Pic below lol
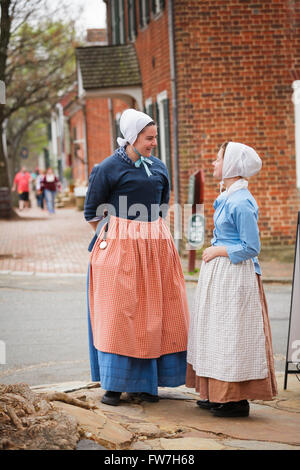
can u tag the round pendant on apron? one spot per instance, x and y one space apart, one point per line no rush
103 245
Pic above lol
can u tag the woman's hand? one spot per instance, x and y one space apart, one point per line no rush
212 252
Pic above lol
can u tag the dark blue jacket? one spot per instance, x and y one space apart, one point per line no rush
116 185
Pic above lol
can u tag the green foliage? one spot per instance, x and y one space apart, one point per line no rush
68 174
40 67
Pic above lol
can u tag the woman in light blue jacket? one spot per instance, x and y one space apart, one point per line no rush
230 358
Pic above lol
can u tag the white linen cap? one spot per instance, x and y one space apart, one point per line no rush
132 122
240 160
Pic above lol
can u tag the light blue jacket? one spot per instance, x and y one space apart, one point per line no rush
235 220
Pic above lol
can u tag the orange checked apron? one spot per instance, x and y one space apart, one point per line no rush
137 296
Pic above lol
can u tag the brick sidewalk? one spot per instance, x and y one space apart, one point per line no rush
38 242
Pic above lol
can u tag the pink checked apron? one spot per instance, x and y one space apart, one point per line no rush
137 296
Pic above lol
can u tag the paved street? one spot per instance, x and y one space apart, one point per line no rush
43 264
43 324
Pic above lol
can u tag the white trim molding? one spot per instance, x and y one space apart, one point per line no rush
123 93
160 98
296 101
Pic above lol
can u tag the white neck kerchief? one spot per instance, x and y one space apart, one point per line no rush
240 160
131 123
239 184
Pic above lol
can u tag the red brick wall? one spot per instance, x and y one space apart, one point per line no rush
98 130
76 121
234 75
152 48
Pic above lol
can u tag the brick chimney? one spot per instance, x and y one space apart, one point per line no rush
96 36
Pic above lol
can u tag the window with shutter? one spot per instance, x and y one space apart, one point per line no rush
163 120
117 128
157 6
150 111
117 22
167 142
158 130
122 22
132 28
144 13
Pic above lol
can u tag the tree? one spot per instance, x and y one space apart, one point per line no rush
37 62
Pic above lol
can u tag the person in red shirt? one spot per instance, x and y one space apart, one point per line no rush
21 183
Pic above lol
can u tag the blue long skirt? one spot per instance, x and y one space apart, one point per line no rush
128 374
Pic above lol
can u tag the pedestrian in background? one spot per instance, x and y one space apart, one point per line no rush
39 191
50 185
21 183
230 357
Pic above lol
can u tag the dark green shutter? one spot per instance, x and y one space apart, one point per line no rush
150 113
49 131
122 26
118 132
167 139
158 130
134 26
117 21
129 19
153 7
162 4
147 13
141 13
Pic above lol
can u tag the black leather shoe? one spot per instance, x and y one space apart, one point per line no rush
207 405
111 398
148 397
232 409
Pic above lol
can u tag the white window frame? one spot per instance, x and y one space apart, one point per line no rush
296 101
160 98
133 34
144 19
148 103
158 8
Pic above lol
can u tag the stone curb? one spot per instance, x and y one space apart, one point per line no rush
279 280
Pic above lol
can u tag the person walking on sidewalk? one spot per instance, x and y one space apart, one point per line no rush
137 305
230 358
21 183
50 184
39 192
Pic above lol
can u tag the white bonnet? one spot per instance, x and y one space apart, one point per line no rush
132 122
240 160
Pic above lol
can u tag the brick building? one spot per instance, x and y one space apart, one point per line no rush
207 72
82 137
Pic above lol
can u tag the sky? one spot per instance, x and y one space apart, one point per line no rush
94 13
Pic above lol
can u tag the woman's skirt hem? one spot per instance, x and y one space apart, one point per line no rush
219 391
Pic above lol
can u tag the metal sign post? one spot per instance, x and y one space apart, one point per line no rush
293 344
196 225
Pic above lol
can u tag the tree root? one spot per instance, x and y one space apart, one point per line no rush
65 398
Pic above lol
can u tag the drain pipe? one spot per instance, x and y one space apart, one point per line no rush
177 221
